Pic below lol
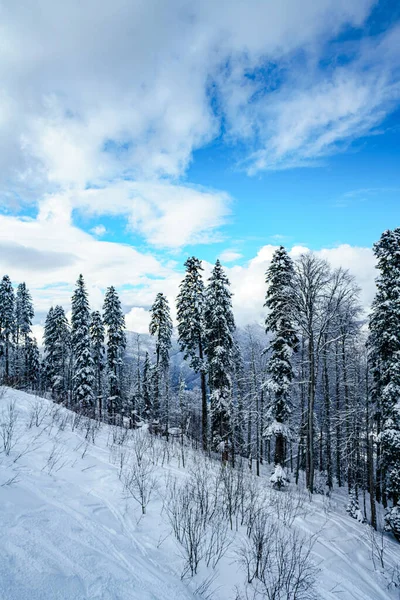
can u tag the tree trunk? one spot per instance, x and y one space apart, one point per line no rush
310 417
347 409
204 407
338 427
328 450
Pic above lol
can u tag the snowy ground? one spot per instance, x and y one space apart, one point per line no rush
70 531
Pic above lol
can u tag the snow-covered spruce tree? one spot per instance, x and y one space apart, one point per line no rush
239 394
114 320
146 389
24 314
385 355
353 507
33 370
57 346
190 313
97 334
7 322
279 323
82 365
161 328
220 326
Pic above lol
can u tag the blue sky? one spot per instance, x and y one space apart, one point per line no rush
134 134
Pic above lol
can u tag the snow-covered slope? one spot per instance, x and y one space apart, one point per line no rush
69 530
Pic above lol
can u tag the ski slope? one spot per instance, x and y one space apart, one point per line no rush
69 531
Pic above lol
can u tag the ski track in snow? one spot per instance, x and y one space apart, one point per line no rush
71 535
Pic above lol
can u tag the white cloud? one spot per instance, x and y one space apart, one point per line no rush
167 215
99 230
360 262
106 89
51 253
229 255
138 319
248 281
315 112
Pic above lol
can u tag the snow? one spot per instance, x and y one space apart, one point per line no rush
70 532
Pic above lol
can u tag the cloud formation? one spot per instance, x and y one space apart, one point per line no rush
107 89
44 261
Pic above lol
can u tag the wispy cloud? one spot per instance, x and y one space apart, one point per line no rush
101 90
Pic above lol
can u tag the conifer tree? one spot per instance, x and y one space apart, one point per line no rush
220 326
161 328
284 341
97 334
114 321
7 321
385 356
83 365
190 313
146 389
57 345
33 370
24 314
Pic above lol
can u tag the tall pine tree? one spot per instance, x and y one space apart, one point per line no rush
114 320
7 322
190 313
147 389
24 314
385 357
161 328
220 327
97 334
83 365
279 278
57 347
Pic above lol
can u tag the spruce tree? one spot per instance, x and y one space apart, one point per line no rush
24 314
97 334
82 365
161 328
57 346
7 321
33 370
114 321
190 313
220 327
279 278
385 357
147 389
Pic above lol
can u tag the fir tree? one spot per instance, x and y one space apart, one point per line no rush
57 344
83 365
284 341
161 328
114 320
146 389
24 314
385 356
220 326
7 320
97 334
190 313
33 368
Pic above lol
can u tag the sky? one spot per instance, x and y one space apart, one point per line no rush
135 133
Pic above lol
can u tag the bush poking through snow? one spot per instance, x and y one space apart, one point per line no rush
197 519
138 476
8 420
278 562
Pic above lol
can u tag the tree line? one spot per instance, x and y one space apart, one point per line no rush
317 397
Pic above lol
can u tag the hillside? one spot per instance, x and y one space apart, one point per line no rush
72 528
